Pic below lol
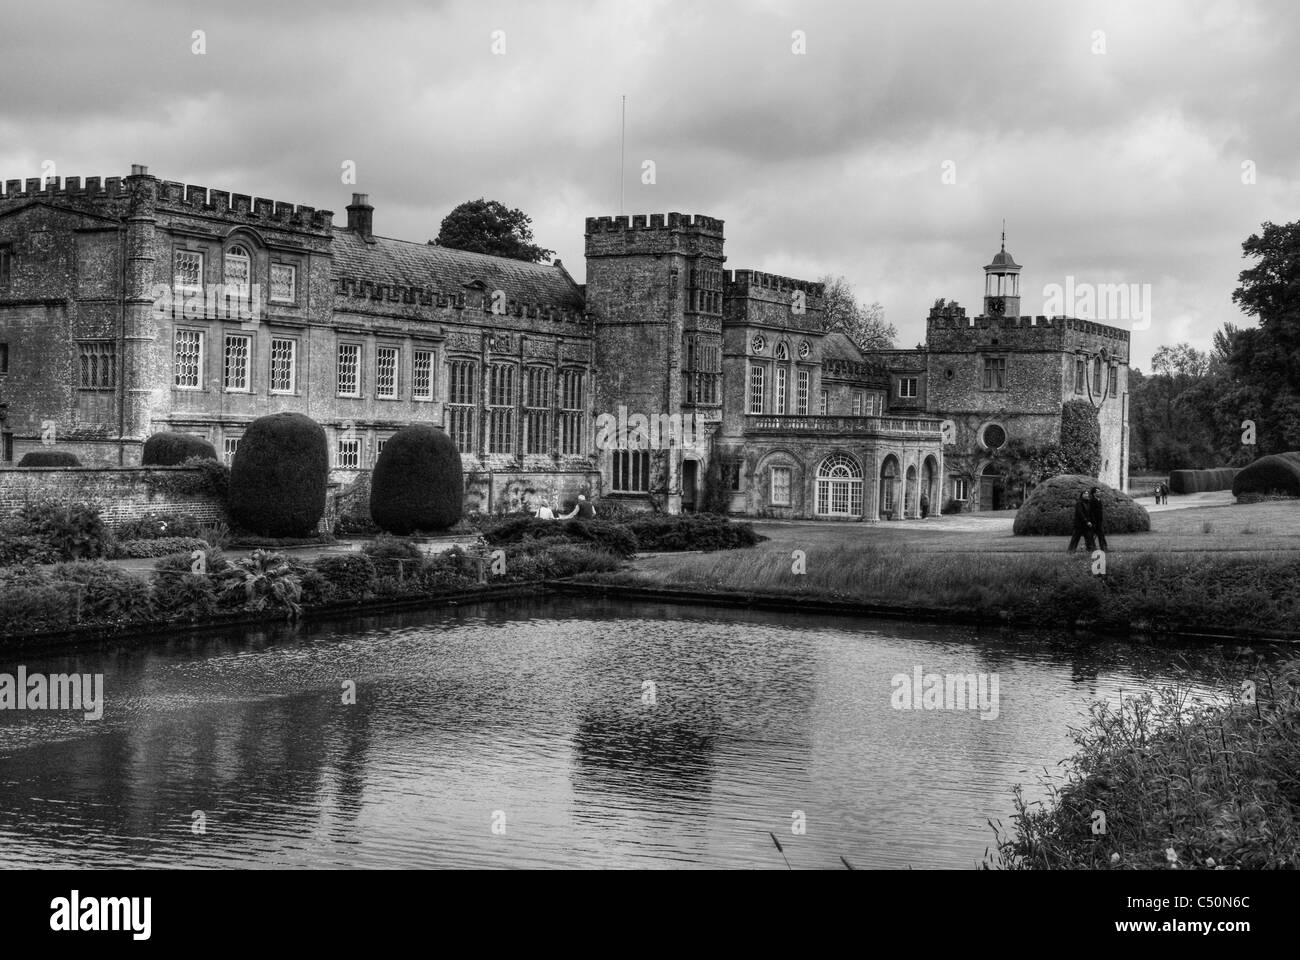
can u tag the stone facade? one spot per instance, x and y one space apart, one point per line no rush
134 305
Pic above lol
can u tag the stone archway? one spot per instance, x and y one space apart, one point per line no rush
839 487
929 490
889 471
992 489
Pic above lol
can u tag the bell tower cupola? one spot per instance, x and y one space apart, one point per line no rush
1002 283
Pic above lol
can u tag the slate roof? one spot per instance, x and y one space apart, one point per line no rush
838 346
448 271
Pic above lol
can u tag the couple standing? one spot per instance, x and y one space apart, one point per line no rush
1088 521
582 510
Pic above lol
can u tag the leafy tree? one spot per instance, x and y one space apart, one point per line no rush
1267 358
488 226
862 323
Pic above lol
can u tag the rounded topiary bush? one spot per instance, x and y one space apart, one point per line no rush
277 482
49 458
169 449
1049 509
1276 474
417 482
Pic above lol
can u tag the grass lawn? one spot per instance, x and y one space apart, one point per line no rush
1222 567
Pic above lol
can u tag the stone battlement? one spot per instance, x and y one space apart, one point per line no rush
171 194
956 319
243 206
697 223
738 282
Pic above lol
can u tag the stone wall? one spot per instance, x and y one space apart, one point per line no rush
122 493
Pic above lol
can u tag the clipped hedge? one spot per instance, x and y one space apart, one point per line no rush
698 532
277 482
1200 481
49 458
351 575
170 449
612 537
1048 511
417 482
157 547
1277 474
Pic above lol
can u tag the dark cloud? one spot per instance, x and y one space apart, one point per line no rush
1117 167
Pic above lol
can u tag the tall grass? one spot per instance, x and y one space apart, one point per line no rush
1180 786
1148 591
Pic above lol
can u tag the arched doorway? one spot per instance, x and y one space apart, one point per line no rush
929 476
992 489
889 487
909 493
839 487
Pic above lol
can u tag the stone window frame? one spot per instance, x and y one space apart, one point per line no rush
960 489
629 471
248 362
201 341
182 250
100 373
1080 374
537 398
460 415
859 402
229 445
788 470
354 452
244 288
292 298
355 393
824 403
427 395
1006 435
757 389
6 264
572 385
502 402
1113 380
4 357
916 388
995 387
383 372
293 367
803 387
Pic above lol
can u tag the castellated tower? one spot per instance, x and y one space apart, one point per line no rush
654 292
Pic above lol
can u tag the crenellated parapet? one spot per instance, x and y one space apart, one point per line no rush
654 234
742 283
242 207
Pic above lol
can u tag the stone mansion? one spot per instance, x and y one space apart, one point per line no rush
133 305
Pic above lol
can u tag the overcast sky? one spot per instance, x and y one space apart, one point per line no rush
1122 166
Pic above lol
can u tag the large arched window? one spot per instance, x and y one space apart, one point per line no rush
839 487
237 273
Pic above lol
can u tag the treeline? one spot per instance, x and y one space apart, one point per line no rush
1195 409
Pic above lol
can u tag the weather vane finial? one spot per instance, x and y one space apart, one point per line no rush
1004 234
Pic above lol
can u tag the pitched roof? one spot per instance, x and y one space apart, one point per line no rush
838 346
447 270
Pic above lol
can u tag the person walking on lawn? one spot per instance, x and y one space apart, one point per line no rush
1095 514
1082 523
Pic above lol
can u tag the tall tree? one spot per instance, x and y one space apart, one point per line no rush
862 323
488 226
1267 358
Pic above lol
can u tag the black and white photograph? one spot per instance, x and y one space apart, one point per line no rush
645 436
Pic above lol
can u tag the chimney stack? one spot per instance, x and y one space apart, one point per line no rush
361 216
139 170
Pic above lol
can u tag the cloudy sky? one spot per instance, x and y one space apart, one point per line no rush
1114 138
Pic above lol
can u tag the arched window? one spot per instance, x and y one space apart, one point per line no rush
238 271
839 487
888 485
782 351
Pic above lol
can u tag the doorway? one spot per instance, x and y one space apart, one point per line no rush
690 477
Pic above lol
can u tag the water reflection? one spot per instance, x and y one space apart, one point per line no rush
536 716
